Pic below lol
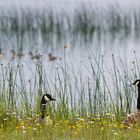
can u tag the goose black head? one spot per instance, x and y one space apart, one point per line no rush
137 82
46 98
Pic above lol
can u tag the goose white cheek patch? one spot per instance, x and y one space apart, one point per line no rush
46 98
137 83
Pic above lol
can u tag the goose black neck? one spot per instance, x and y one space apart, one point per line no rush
138 100
42 116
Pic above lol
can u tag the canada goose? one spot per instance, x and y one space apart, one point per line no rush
45 99
1 54
35 56
18 54
51 57
135 117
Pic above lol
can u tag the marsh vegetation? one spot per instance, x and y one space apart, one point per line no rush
93 92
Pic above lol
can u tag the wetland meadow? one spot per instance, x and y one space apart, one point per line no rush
83 53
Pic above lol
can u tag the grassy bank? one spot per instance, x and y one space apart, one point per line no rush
97 128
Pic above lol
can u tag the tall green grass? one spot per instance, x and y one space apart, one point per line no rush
86 92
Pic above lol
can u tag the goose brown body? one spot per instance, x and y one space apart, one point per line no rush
1 54
51 57
35 56
19 54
